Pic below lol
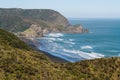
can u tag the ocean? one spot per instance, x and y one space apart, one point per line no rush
103 40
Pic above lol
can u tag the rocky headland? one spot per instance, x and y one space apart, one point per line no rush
29 24
36 22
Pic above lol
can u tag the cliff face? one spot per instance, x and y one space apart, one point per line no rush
33 31
76 29
38 31
35 22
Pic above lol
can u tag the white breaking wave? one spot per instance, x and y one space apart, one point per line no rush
70 39
50 44
86 47
59 39
69 42
119 55
70 55
85 55
54 35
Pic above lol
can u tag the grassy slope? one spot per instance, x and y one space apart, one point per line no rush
19 62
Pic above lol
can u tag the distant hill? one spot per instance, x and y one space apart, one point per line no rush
41 20
15 19
19 62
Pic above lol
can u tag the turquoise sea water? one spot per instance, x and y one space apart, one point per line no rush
103 40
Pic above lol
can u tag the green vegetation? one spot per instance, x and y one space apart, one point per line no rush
12 22
12 40
61 28
18 20
19 62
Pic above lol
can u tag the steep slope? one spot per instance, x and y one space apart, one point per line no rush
41 21
12 40
22 63
20 19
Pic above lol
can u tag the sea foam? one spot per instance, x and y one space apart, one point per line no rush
86 47
85 55
70 55
69 42
54 35
50 43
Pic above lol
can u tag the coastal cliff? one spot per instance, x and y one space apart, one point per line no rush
36 22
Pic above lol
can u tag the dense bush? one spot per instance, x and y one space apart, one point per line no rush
19 62
12 40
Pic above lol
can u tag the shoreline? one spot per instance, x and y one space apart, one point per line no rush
34 45
54 58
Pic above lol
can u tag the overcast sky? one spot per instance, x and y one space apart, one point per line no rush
70 8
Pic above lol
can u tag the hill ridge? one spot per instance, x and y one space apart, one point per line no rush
22 63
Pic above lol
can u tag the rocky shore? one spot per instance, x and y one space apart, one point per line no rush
37 31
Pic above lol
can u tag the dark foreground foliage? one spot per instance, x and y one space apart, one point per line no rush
19 62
